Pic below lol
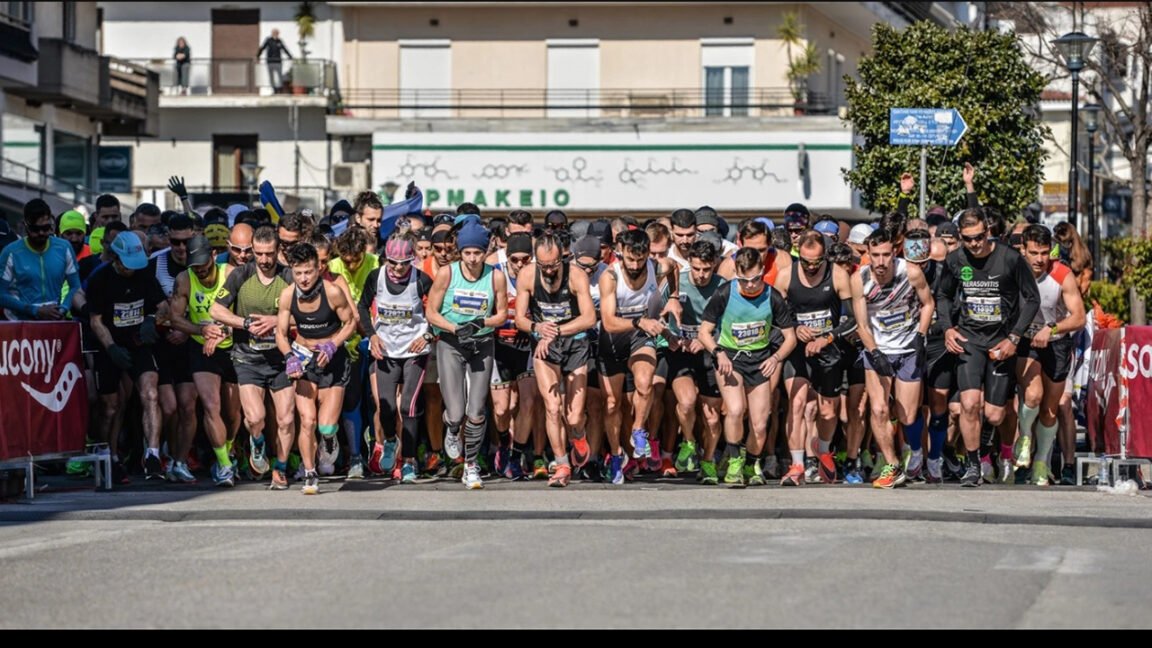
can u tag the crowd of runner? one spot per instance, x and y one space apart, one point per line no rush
794 350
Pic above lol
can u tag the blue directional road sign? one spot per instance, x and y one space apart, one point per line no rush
925 126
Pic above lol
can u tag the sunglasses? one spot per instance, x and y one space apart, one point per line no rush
440 248
812 263
586 266
40 228
520 259
175 242
749 280
240 250
795 230
287 244
550 266
974 239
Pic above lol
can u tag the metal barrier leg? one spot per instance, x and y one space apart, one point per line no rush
30 479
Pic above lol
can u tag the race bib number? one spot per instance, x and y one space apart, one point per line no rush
262 343
470 303
985 310
125 314
893 320
303 353
392 314
748 333
689 332
556 312
631 312
819 321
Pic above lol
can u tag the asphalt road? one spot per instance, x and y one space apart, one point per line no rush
652 554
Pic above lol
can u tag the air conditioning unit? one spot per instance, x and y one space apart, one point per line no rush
350 177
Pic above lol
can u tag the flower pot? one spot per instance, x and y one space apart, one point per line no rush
299 90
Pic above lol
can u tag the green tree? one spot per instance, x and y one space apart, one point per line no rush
983 75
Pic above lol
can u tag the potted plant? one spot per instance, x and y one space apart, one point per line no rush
803 59
305 77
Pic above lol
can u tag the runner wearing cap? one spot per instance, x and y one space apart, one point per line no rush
401 342
195 291
796 218
707 220
72 228
586 257
468 298
316 360
556 220
124 301
555 307
512 367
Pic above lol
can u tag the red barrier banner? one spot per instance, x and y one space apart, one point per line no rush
1136 369
1104 394
43 397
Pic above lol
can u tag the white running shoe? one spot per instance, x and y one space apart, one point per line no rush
451 444
471 477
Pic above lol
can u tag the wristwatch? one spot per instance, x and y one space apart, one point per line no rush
636 323
428 337
1014 339
1055 328
247 322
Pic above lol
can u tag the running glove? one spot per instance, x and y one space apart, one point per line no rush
120 356
148 332
919 345
880 363
292 365
327 348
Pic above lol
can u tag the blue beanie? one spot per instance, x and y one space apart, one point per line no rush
472 235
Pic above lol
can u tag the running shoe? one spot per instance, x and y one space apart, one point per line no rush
616 469
772 467
827 468
457 469
1068 476
514 470
987 470
1023 476
223 477
356 470
178 473
935 472
193 462
1007 467
552 467
580 453
1041 474
852 476
327 454
640 448
914 469
451 444
889 477
654 463
667 468
501 458
1023 451
794 476
408 473
812 470
686 458
753 474
311 483
561 477
878 464
953 469
374 459
388 457
397 473
153 469
971 478
734 473
78 469
539 469
471 477
434 464
708 475
279 480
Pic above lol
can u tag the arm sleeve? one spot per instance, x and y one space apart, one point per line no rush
424 285
232 284
903 204
971 199
782 315
9 300
367 296
945 292
72 276
714 311
1029 297
847 319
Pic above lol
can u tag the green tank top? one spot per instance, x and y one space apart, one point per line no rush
747 323
693 301
467 300
200 300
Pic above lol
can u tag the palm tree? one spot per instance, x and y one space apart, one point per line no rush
806 60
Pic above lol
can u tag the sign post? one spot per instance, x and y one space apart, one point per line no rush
925 127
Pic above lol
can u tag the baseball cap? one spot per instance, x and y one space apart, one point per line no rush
444 219
947 229
601 229
199 250
828 227
712 238
130 250
796 214
217 235
707 216
588 246
556 218
859 233
72 220
767 222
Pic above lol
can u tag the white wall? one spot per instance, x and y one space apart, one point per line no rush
149 30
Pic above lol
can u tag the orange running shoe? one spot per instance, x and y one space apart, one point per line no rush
580 453
890 477
666 467
827 469
561 477
794 476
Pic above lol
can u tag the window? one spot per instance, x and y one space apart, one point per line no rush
727 64
229 152
425 78
19 14
573 77
69 31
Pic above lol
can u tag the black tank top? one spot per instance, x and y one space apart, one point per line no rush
818 307
559 307
317 325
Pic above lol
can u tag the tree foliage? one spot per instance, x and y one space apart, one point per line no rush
982 74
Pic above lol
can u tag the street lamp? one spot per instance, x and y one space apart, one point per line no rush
251 173
1092 124
1074 48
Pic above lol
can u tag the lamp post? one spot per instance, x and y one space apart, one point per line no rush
1091 125
1074 48
251 173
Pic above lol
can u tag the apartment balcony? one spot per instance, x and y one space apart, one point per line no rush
129 99
206 83
598 103
69 75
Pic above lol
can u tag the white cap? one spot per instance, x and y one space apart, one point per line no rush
859 233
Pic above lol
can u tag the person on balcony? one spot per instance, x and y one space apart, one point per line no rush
182 54
275 49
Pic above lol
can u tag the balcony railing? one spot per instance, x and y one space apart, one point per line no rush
291 198
315 77
598 102
42 182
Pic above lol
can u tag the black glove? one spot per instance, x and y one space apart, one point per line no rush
469 328
880 363
176 186
919 345
120 356
148 332
410 190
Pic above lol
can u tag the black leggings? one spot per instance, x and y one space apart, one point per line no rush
389 373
